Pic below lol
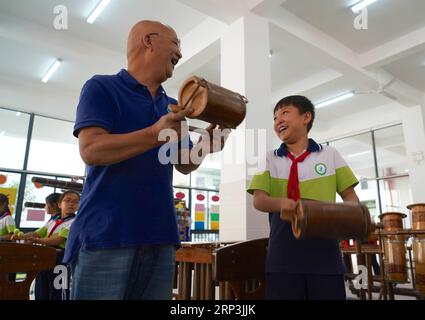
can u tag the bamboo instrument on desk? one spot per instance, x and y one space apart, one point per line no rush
418 224
394 247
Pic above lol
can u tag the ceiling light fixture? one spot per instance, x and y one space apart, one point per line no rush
51 70
97 11
334 100
361 5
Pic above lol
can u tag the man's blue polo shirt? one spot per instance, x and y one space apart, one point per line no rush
129 203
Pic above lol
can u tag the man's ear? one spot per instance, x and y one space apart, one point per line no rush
307 117
147 41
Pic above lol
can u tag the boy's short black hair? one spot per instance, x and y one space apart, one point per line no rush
303 104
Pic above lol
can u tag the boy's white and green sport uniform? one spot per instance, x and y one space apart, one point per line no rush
62 230
322 175
7 225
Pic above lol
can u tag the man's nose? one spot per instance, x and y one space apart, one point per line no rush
179 54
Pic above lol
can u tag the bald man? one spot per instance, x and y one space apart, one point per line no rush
123 241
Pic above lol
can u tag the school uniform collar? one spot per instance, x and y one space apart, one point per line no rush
313 146
72 216
55 217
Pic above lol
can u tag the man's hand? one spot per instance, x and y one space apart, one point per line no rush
213 140
172 122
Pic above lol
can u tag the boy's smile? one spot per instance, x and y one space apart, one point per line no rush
289 124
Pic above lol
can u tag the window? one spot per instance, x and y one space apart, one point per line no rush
391 152
13 138
394 192
54 149
31 217
180 180
357 151
206 177
396 196
199 210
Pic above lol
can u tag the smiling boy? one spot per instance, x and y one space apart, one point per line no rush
301 169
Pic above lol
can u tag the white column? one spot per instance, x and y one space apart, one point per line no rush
414 135
245 68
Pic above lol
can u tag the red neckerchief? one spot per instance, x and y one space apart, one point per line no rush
58 222
293 182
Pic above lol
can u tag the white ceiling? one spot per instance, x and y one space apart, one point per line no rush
410 69
316 50
387 19
111 28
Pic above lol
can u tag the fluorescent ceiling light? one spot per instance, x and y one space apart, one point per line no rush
361 5
334 100
18 114
97 11
358 154
51 70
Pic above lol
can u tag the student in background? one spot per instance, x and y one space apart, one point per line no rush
44 281
7 223
52 208
55 234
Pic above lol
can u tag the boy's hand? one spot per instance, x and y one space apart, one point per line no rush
288 208
15 237
31 240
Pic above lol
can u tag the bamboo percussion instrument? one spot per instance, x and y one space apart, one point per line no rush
418 224
34 205
419 258
58 184
211 103
394 247
395 258
325 220
418 216
392 221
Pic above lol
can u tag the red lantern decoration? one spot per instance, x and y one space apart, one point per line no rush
200 197
215 198
180 195
3 179
38 185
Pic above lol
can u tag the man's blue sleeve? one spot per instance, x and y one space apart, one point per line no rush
95 108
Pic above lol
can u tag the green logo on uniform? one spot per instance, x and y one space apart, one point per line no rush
321 169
